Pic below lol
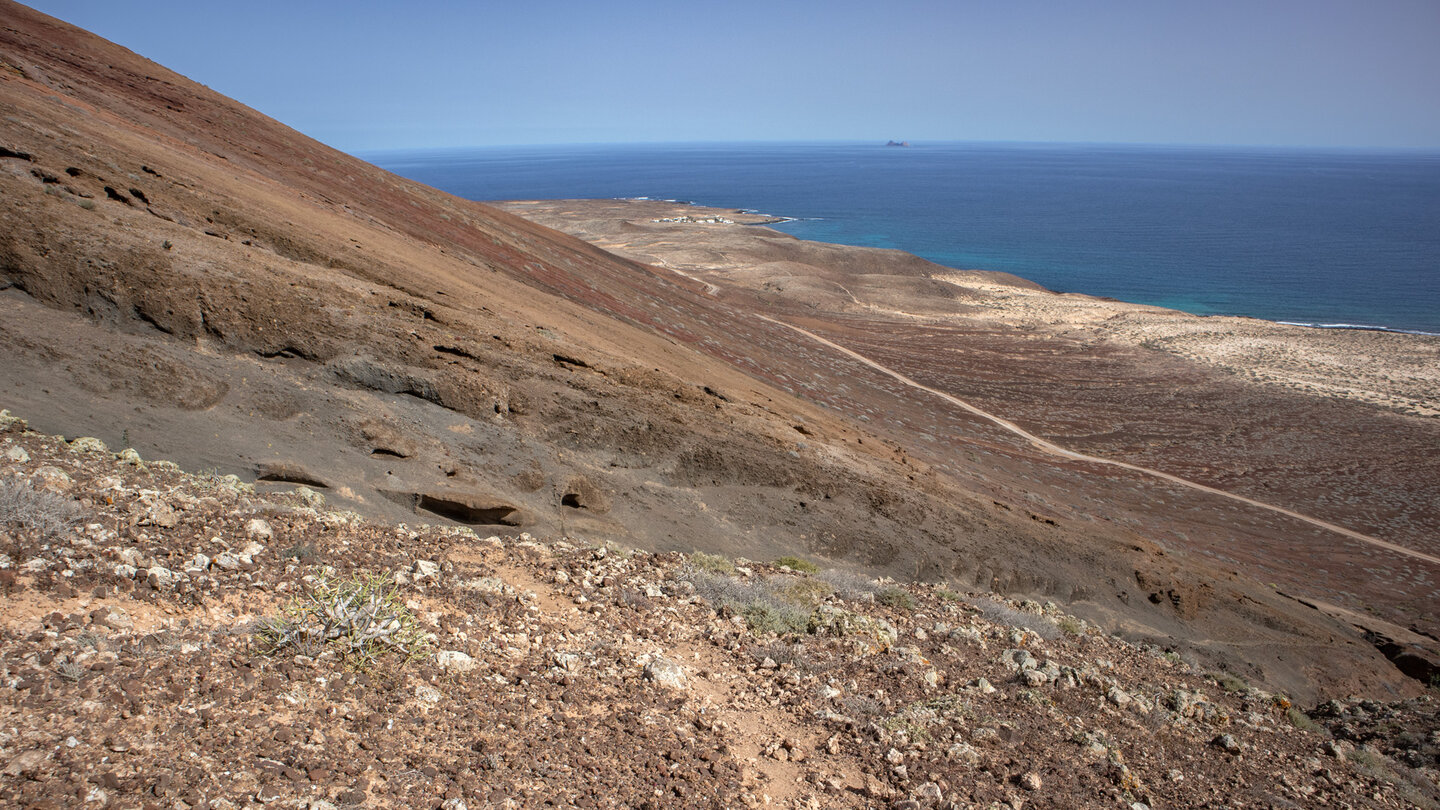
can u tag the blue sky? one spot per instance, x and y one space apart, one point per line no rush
363 75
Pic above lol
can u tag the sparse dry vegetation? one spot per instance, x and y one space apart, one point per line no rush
361 617
896 597
1001 613
827 676
798 564
24 506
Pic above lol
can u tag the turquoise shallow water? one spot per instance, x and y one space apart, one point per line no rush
1326 238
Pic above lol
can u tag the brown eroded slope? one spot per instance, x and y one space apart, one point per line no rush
186 276
565 673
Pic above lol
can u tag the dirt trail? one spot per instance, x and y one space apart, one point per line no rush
1056 450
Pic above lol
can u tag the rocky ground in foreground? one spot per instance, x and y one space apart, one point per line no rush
157 652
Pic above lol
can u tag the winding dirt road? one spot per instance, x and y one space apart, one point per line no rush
1051 448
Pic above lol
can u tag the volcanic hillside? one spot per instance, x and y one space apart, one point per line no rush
187 277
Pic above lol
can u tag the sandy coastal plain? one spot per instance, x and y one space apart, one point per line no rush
1400 372
1337 426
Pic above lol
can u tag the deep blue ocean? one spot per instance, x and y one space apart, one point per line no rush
1328 238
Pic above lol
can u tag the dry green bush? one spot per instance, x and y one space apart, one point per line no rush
765 603
361 618
798 564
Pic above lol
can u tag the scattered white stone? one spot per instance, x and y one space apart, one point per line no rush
426 569
455 661
454 804
1019 660
427 693
162 578
665 672
259 529
126 571
119 618
88 444
310 497
53 478
1030 780
1227 743
17 455
228 562
484 585
570 662
1118 696
161 514
129 456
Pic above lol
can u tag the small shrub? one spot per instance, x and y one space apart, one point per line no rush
1070 626
784 654
896 597
361 617
861 707
765 604
1301 720
88 205
1036 698
798 564
298 551
766 617
999 613
805 591
713 563
849 585
946 595
22 506
1231 683
1364 758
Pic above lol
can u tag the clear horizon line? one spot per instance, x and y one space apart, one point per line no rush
917 143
